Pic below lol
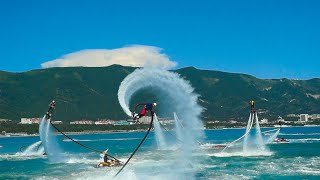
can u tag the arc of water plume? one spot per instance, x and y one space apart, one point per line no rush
245 141
174 90
32 149
258 134
271 139
178 120
161 142
178 126
251 118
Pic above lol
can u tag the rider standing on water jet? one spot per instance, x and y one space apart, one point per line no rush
146 107
251 103
52 105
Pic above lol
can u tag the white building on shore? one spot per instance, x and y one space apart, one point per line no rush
30 120
264 121
57 122
303 118
104 122
145 120
82 122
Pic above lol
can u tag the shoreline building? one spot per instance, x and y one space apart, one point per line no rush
145 120
303 118
82 122
30 120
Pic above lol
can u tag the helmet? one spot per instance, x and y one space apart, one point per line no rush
154 104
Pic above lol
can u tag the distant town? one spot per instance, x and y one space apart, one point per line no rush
298 119
89 125
143 120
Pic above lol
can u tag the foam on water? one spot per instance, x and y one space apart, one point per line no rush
242 154
20 157
299 134
34 149
107 139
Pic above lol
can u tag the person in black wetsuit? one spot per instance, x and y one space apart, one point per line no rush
108 161
52 106
251 103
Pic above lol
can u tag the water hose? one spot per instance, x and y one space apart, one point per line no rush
141 142
90 148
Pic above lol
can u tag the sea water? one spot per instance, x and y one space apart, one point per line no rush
297 159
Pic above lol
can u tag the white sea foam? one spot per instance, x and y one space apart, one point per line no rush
20 156
242 154
106 139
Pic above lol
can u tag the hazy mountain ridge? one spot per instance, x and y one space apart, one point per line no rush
91 93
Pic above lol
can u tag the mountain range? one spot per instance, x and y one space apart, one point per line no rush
91 93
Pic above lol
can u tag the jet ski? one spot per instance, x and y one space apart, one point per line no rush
280 140
110 163
219 146
107 162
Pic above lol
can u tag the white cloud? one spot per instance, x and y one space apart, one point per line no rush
135 56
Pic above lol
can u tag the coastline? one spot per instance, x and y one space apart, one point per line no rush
127 131
72 133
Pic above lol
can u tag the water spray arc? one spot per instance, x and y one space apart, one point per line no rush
178 126
158 132
246 137
273 137
259 144
34 149
249 126
50 142
46 136
184 103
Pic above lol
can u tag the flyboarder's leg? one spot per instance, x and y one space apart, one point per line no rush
138 116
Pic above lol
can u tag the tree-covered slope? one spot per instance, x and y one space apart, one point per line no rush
91 93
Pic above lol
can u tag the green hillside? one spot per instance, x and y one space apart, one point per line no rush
91 93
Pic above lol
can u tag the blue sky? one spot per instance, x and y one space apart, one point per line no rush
267 39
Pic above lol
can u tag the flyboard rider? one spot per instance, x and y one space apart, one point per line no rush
146 107
251 103
52 106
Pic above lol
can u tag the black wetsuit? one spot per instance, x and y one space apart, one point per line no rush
105 158
251 105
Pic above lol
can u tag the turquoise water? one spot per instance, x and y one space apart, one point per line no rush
297 159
